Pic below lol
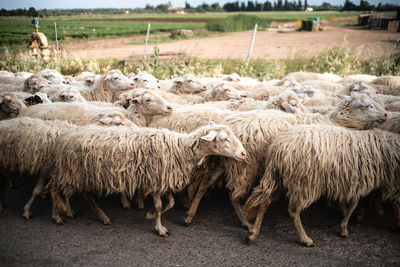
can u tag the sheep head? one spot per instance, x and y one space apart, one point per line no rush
114 119
114 80
220 140
188 84
145 80
35 83
11 104
222 92
71 95
149 103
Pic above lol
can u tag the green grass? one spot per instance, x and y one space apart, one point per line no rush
16 31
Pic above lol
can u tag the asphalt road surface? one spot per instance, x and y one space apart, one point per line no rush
215 237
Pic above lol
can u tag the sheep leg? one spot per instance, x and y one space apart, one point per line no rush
56 199
67 196
239 211
162 231
140 201
126 204
349 211
199 195
36 191
93 205
170 205
294 212
255 230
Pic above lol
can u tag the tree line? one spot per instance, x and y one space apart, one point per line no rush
236 6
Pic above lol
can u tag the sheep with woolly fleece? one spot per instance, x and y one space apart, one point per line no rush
358 77
344 165
32 84
220 92
23 74
304 76
69 94
29 149
27 144
108 87
27 98
391 81
188 84
286 101
255 130
52 75
144 80
89 163
323 85
10 105
147 103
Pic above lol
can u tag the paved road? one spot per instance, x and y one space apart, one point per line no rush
214 239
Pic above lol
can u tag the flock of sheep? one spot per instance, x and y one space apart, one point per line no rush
305 137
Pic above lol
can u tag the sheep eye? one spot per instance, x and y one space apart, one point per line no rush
148 100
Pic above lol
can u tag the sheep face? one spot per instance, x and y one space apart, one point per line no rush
188 84
37 98
290 103
115 119
223 92
288 82
360 86
54 77
145 80
36 83
233 77
364 108
150 103
71 95
11 105
116 81
222 141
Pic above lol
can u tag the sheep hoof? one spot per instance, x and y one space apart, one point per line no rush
127 207
71 216
187 222
26 216
249 240
60 222
164 234
107 222
310 244
345 235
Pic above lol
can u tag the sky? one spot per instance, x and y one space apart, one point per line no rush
51 4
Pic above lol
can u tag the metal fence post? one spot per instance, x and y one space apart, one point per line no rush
145 45
251 46
55 32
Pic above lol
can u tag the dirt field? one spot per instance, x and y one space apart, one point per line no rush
268 45
215 237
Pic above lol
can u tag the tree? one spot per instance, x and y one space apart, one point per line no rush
364 5
348 5
32 12
299 5
279 5
267 6
187 5
305 4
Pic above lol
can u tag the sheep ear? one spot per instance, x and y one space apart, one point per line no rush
210 136
179 81
136 100
37 99
29 99
345 97
107 77
212 125
103 118
136 79
355 93
356 105
7 98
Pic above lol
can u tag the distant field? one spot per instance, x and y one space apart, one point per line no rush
15 31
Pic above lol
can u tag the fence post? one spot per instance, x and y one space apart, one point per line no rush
55 32
145 45
251 46
396 44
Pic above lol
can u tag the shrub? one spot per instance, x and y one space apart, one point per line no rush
237 23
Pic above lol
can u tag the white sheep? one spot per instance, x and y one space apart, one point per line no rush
187 84
144 80
167 170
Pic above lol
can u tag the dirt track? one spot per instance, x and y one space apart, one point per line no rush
214 238
269 45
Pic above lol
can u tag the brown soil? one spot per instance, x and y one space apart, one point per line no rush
370 44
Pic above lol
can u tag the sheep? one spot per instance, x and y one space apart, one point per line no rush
167 170
304 76
356 86
286 101
27 98
52 75
358 77
187 84
23 74
391 81
392 124
344 165
145 80
264 92
255 130
323 85
108 87
69 94
10 105
147 103
28 144
32 84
